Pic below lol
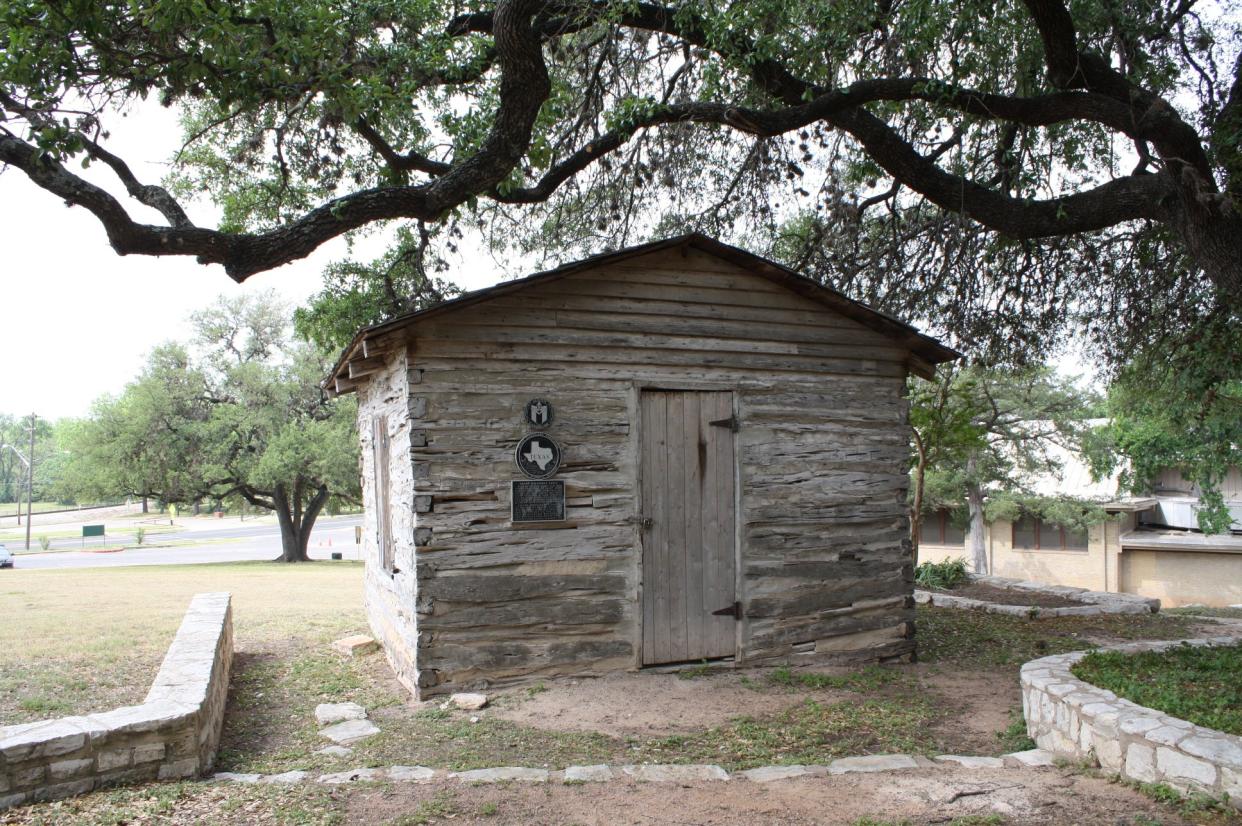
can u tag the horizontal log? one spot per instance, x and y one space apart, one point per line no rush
502 657
828 571
834 625
814 599
899 649
501 588
667 337
551 614
475 354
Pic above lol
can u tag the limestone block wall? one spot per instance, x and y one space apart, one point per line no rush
1093 602
1077 720
173 734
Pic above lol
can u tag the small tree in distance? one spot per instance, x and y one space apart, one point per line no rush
977 427
236 412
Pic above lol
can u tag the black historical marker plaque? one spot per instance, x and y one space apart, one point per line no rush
538 456
538 500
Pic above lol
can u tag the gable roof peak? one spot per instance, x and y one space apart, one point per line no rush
926 351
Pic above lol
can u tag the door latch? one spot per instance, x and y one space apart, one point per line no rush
731 423
734 610
647 523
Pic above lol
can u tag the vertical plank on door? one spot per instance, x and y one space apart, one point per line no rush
663 566
650 420
713 598
693 455
724 561
677 506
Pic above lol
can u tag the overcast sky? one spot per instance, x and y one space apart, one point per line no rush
78 320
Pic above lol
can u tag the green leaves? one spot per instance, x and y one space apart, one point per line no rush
995 429
236 411
1177 405
356 295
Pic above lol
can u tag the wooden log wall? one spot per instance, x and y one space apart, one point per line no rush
822 452
390 596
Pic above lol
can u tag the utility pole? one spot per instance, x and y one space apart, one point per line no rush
30 481
28 464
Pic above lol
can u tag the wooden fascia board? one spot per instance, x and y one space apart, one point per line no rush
366 366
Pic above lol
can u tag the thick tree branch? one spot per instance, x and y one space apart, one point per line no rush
1123 199
153 196
524 86
1182 195
407 162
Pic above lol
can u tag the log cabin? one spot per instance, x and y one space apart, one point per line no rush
673 453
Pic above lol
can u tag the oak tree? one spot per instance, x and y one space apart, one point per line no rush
993 165
237 412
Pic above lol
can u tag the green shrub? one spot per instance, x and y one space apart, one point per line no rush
140 535
948 574
45 542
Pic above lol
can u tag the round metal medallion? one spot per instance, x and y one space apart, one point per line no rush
537 456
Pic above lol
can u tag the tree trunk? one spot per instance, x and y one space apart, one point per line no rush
978 549
145 506
295 523
916 507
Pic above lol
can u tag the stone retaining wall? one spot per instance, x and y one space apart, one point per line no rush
173 734
1075 719
1093 602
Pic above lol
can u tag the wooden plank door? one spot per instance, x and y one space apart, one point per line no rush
688 526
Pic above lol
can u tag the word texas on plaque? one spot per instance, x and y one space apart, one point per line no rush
538 500
538 413
538 456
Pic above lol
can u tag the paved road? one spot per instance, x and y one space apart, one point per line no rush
232 544
197 534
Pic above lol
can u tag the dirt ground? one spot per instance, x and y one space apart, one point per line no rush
951 796
622 705
660 705
1009 796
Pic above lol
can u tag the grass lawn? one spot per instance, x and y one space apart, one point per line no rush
978 639
1199 684
1203 611
121 533
13 508
87 640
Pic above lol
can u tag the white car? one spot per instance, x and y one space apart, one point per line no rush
6 557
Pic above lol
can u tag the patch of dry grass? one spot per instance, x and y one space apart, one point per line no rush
188 804
87 640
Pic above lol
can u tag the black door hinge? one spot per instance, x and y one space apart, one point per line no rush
734 610
732 423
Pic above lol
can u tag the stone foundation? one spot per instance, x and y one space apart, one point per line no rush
173 734
1079 721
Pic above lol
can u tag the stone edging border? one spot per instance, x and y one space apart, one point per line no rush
1075 719
1094 602
653 773
173 734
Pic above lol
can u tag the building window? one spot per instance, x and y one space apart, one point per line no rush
379 468
938 529
1031 534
